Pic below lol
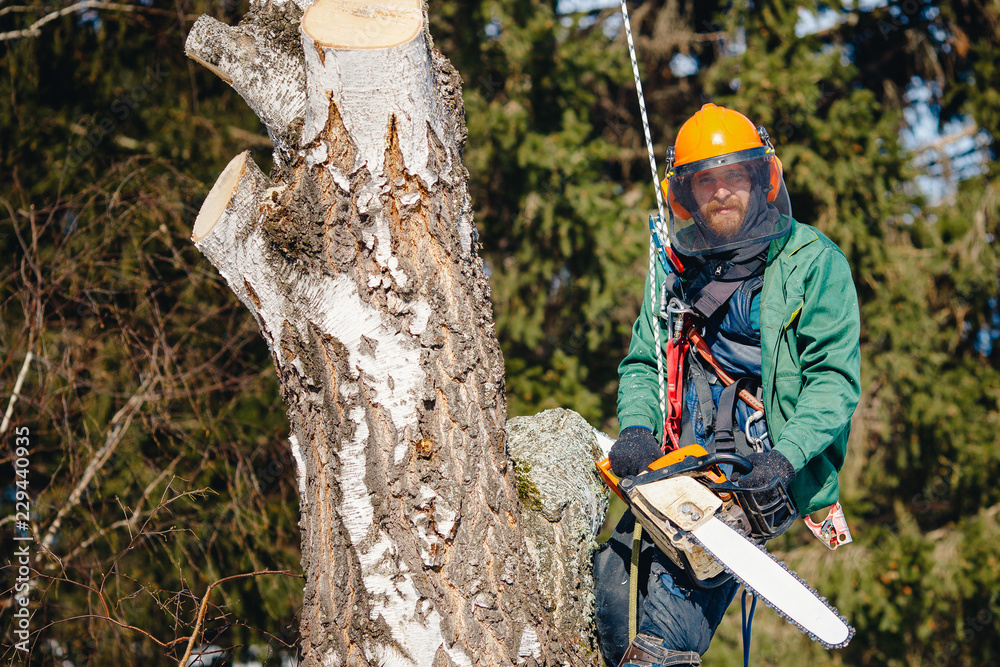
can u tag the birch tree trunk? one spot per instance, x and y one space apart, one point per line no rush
357 259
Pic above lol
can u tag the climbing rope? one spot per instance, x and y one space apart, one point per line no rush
653 296
633 579
642 111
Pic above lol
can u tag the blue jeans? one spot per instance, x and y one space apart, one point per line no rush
674 610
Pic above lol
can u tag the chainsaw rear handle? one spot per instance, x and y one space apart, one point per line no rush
769 507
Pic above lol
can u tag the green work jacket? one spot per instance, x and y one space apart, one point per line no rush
810 361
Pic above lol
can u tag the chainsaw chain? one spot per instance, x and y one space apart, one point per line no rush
781 613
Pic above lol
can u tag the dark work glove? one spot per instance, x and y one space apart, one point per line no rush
767 466
635 449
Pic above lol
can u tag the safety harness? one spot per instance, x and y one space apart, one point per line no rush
689 357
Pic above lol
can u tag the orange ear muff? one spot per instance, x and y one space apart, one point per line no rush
775 171
675 205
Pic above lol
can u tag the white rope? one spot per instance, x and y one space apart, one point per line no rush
655 302
642 111
653 296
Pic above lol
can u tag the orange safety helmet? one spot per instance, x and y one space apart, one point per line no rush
717 132
715 137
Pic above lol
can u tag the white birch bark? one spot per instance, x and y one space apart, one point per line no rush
357 259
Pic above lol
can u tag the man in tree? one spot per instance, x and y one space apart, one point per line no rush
777 308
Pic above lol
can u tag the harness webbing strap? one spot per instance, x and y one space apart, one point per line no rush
633 582
715 294
729 437
726 436
702 348
706 404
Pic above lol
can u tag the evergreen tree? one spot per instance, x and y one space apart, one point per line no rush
563 229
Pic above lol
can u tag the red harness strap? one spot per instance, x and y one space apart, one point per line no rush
677 349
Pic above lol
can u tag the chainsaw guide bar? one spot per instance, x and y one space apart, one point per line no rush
775 584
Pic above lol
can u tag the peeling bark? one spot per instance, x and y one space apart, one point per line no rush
357 259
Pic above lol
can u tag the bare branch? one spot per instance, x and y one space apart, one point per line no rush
942 142
34 30
204 605
119 426
192 639
17 391
107 616
114 621
131 521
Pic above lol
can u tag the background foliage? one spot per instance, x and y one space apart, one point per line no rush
147 371
109 140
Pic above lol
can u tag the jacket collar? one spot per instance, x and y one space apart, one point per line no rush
798 237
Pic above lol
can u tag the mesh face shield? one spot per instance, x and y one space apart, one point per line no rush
727 202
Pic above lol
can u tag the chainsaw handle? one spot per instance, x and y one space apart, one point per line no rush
741 464
690 464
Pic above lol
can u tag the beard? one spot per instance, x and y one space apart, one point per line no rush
724 219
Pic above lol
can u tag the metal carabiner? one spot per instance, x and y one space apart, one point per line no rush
676 309
756 443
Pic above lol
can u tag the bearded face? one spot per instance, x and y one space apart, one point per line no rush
722 195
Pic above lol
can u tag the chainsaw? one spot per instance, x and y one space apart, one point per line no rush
714 530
